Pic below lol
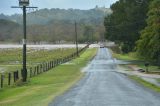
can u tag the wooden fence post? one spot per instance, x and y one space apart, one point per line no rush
48 66
14 76
2 80
17 75
41 70
21 74
9 78
43 67
52 64
49 63
37 70
30 72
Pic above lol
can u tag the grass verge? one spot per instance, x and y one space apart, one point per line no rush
42 89
145 83
138 62
135 62
128 57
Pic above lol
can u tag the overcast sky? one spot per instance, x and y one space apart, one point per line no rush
5 5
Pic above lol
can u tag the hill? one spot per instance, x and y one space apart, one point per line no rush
51 25
44 16
6 28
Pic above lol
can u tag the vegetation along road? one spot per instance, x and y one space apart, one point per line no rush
104 86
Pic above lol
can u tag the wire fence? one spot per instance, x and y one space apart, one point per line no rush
11 78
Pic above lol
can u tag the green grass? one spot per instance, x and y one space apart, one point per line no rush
42 89
135 60
125 67
151 68
129 57
145 83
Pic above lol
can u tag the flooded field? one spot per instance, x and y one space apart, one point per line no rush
42 46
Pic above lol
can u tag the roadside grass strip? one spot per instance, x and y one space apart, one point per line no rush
133 57
145 83
138 61
130 56
42 89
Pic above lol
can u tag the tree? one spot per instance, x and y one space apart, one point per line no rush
125 23
149 43
88 32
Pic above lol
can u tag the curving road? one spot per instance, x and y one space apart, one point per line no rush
104 86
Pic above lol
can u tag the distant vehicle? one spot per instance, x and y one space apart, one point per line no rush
101 46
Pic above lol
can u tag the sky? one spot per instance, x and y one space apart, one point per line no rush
5 5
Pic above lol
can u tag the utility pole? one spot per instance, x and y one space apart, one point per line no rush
76 38
92 37
24 4
159 61
24 72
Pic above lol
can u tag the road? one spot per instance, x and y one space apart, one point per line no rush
104 86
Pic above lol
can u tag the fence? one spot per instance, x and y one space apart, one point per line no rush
10 78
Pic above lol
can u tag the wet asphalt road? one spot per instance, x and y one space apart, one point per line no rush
103 86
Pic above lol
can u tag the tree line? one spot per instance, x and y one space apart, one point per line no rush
135 26
54 32
54 25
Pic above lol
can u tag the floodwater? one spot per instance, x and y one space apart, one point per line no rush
55 46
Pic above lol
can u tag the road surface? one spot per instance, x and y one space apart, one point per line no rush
104 86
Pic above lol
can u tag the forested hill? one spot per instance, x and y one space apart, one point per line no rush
6 28
52 25
44 16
